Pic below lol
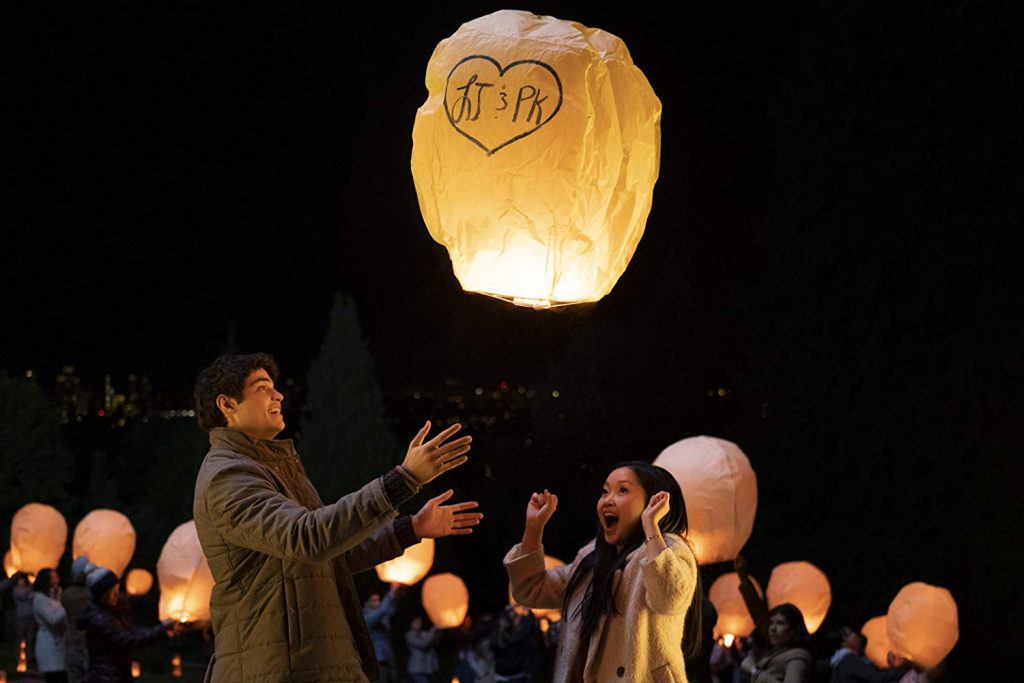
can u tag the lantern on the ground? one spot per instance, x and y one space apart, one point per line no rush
411 566
138 581
552 615
535 157
184 576
876 631
38 537
804 585
446 600
107 538
720 489
734 619
923 624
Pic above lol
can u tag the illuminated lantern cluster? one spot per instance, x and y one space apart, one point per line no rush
107 538
411 566
39 534
733 616
720 489
185 579
923 624
876 631
804 585
446 600
138 582
535 157
549 614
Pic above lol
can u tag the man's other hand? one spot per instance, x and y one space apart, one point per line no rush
435 520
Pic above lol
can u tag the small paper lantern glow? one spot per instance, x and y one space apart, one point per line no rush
876 631
734 619
552 615
138 581
411 566
107 538
804 585
446 600
923 623
38 537
720 489
185 579
535 157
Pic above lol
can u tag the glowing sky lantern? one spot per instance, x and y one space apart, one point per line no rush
38 537
138 581
733 616
720 489
876 631
535 157
184 575
549 614
446 600
411 566
923 623
804 585
107 538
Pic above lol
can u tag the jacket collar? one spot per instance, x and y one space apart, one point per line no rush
263 449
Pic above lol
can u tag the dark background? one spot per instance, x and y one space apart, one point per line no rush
833 240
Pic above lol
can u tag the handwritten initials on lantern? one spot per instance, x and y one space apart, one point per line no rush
493 106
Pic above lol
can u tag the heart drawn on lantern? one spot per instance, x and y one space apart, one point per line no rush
493 106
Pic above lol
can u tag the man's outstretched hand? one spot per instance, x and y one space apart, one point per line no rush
435 520
426 461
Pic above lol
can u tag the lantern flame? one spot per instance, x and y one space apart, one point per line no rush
727 639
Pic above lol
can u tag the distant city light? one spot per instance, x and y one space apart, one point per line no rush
555 393
722 392
503 384
478 391
101 412
28 373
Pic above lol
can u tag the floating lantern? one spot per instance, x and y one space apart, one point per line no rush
876 631
446 600
535 157
184 575
923 624
22 665
544 615
804 585
734 620
138 582
411 566
107 538
720 489
38 537
136 670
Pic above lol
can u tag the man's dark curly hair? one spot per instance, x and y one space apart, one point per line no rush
226 376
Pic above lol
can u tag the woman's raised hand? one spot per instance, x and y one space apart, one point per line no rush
539 510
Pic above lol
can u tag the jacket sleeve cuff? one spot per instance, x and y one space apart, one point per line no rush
403 531
397 487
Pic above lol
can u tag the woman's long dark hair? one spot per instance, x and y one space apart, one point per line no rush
602 564
43 581
795 618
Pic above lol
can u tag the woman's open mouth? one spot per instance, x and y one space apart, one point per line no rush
610 520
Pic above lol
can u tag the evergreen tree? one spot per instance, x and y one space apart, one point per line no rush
346 437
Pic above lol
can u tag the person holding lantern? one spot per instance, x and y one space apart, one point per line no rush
788 660
52 620
284 606
629 594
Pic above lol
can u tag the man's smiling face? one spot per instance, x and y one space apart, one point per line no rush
258 415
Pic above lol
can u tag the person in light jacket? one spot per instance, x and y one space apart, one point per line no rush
788 660
422 655
52 620
630 593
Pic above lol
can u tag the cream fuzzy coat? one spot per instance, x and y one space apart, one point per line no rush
643 642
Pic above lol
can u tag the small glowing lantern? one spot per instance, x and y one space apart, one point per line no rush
22 666
184 575
138 582
804 585
923 624
535 157
720 489
107 538
411 566
38 537
543 615
876 631
734 619
136 670
176 666
446 600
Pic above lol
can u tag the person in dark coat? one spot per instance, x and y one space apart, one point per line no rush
849 665
110 639
76 598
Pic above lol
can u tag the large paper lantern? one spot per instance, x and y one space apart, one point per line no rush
185 579
876 631
107 538
446 600
549 614
734 620
535 157
720 489
138 582
38 537
804 585
411 566
923 623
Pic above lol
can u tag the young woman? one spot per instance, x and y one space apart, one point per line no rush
52 620
788 660
629 593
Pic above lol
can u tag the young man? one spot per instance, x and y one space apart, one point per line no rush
284 607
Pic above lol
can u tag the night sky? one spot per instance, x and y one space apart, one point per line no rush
833 237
